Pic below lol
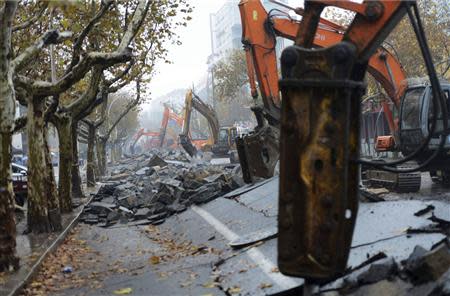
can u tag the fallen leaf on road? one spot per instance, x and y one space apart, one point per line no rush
185 284
123 291
154 260
210 285
234 290
265 285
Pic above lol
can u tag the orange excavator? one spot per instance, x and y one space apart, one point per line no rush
158 139
154 139
318 119
258 151
170 116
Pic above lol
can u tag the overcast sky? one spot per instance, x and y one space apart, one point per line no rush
189 59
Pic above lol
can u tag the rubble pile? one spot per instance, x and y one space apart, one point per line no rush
422 273
150 188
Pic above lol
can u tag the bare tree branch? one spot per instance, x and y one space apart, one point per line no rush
20 123
31 20
121 75
80 39
121 54
83 102
99 99
51 108
130 106
45 88
135 24
49 37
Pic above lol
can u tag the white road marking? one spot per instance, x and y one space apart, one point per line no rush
256 255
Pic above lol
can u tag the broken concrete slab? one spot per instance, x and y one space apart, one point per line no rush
142 214
442 287
129 201
429 266
385 288
145 171
100 207
206 193
156 161
378 271
113 217
121 176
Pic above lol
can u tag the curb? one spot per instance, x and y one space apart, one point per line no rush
56 243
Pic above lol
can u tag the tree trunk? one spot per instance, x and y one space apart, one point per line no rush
101 156
90 168
77 191
37 217
112 152
64 127
119 151
54 213
8 259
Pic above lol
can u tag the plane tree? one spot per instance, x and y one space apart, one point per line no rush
81 61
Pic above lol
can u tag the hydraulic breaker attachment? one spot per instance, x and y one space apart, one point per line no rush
258 151
319 142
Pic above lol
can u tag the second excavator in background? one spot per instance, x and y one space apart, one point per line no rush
221 140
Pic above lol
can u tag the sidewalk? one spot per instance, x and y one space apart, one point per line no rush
32 249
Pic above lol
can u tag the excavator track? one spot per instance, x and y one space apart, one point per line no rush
399 182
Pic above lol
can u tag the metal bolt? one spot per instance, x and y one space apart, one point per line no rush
374 10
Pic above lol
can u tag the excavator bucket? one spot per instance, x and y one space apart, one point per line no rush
318 180
186 143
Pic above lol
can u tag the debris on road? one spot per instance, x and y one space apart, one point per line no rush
148 187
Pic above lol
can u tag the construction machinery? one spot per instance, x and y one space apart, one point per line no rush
258 151
319 128
221 140
154 136
170 116
158 139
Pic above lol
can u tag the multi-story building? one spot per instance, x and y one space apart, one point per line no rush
226 28
226 35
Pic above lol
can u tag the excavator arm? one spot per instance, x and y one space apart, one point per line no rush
142 133
260 29
168 114
193 102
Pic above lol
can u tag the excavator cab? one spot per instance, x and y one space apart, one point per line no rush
416 116
226 141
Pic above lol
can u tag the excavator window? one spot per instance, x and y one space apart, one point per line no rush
234 134
223 136
446 96
411 110
430 113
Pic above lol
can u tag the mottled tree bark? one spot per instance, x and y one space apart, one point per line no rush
64 127
101 156
8 259
77 191
37 218
54 212
112 152
90 168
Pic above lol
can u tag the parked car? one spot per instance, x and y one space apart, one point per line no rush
19 176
